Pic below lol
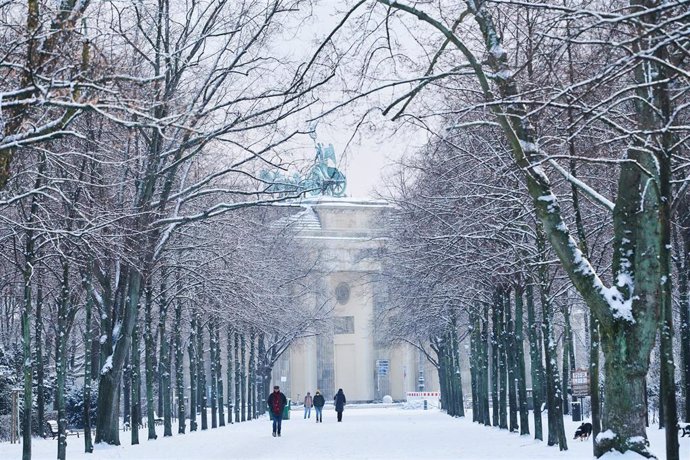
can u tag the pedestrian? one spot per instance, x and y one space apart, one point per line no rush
318 406
307 405
276 403
340 401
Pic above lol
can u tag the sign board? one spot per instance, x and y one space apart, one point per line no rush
428 398
580 379
382 366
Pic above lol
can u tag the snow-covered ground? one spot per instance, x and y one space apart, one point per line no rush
367 432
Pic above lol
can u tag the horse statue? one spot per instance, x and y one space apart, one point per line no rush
324 178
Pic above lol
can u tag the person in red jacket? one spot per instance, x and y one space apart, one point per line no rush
276 403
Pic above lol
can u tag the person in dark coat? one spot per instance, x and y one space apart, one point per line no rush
276 403
340 401
318 406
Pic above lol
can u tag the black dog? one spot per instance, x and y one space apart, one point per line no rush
583 432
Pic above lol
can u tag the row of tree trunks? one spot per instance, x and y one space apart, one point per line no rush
449 371
509 379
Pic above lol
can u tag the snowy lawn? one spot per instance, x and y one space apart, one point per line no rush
367 432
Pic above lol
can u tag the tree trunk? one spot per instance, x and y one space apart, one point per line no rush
520 362
179 368
625 387
535 362
594 375
684 308
214 377
263 382
484 387
149 351
201 372
457 368
511 362
127 390
27 367
666 314
62 334
164 365
502 361
193 392
238 377
494 361
251 379
556 433
219 375
474 364
243 377
229 377
88 443
135 372
40 369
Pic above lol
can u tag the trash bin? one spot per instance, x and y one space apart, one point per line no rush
286 410
576 411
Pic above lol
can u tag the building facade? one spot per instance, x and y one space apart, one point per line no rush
348 237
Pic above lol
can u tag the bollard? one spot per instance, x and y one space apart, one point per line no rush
425 404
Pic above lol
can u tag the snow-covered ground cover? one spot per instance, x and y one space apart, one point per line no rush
367 432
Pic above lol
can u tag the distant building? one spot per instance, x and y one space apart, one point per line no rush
348 236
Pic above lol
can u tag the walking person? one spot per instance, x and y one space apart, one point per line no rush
276 403
308 402
340 401
318 406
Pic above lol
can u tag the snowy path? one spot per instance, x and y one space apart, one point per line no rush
365 433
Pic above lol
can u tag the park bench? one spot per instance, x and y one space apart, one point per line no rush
685 429
54 431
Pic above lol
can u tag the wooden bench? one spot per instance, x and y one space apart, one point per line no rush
157 420
54 431
685 428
